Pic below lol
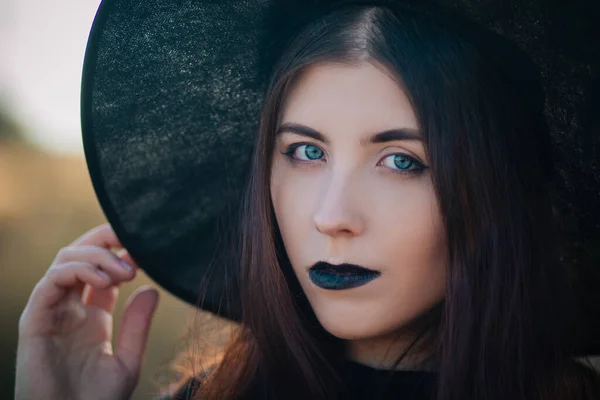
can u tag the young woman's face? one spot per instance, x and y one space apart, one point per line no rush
345 199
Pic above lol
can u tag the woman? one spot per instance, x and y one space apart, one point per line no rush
397 234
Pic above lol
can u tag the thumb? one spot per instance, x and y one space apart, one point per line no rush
135 327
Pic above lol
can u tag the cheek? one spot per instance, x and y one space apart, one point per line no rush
295 197
414 231
406 221
290 203
414 249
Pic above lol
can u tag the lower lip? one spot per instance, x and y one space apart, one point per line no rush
336 281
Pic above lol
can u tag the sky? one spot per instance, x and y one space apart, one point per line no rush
42 44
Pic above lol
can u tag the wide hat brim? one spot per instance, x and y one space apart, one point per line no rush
171 96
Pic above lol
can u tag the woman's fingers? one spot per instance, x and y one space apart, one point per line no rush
87 271
68 278
69 275
125 256
104 259
135 327
105 299
102 236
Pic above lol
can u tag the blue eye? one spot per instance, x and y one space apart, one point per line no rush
400 162
311 152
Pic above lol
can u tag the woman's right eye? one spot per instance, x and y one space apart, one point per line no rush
306 152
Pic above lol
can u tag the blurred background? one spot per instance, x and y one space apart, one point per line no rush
46 196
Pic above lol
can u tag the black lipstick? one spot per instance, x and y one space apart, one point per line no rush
342 276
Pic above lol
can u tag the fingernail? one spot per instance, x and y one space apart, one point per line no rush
126 266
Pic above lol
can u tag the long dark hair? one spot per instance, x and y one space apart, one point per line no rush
502 330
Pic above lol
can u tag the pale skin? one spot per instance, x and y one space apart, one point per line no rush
343 202
65 330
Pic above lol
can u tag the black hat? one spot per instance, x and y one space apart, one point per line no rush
171 98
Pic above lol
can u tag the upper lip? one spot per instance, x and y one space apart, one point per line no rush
345 267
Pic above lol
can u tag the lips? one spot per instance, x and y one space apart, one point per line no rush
342 276
345 268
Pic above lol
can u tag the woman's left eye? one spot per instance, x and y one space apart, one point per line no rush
403 164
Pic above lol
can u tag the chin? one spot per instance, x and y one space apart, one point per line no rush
352 326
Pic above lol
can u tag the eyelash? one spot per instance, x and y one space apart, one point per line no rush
289 153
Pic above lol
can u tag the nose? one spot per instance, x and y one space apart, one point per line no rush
338 213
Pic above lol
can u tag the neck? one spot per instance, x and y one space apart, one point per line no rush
382 353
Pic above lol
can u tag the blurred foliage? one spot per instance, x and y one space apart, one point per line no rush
10 130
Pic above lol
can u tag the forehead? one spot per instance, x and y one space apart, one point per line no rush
341 97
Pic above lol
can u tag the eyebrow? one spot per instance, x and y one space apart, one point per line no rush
381 137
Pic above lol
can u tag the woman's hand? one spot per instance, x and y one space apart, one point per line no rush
65 330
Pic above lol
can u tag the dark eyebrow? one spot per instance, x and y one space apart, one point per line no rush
381 137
